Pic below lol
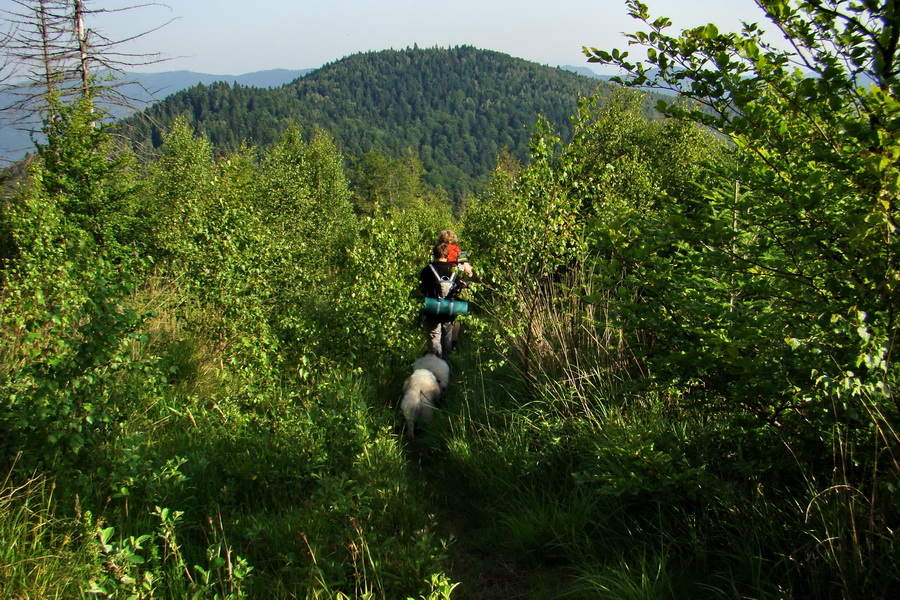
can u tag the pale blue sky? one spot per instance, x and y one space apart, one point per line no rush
227 37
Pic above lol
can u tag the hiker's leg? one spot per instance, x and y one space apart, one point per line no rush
434 329
446 339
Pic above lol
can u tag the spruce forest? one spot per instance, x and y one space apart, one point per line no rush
675 379
454 109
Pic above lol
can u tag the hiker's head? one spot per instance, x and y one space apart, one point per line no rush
448 236
441 251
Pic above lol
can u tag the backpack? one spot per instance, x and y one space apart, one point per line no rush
446 284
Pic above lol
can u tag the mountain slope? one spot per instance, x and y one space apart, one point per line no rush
455 108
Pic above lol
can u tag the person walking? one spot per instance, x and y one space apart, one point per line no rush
456 257
439 280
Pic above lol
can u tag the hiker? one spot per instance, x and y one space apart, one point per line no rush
439 280
460 261
456 257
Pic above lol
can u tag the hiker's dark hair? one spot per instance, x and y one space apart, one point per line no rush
441 251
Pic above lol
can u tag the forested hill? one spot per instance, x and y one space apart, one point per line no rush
454 107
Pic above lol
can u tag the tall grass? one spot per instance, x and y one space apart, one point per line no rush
558 460
568 335
43 555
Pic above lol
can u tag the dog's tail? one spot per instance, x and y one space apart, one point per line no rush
416 414
421 392
410 428
421 408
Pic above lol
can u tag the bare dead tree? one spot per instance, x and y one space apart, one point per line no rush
5 58
37 39
99 54
53 52
81 38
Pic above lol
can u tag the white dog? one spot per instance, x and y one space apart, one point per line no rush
421 393
437 366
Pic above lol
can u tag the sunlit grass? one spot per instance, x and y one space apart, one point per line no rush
41 554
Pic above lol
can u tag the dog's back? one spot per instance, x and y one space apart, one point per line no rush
421 393
438 367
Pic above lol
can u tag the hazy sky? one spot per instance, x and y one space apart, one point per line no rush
231 37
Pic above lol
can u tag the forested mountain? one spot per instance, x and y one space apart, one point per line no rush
453 107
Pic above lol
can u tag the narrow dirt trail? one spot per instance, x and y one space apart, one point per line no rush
487 575
482 576
484 571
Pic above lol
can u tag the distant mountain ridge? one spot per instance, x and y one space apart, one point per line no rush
145 89
455 108
586 72
167 83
